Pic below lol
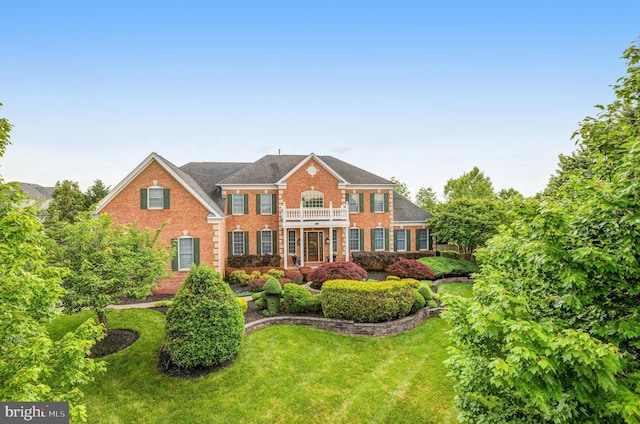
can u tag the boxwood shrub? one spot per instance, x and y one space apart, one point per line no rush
205 323
298 300
418 302
363 301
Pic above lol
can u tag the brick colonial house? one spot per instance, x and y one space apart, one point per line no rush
307 209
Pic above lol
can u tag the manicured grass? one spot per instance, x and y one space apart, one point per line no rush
283 374
459 289
442 266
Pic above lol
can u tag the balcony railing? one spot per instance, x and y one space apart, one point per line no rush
303 214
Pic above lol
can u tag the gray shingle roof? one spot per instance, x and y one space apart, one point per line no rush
35 190
405 211
208 174
272 168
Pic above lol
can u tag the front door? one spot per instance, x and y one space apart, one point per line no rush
314 246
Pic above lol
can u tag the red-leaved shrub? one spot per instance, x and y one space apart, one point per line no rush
336 271
294 275
257 284
406 268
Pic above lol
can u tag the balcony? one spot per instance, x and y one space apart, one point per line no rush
311 217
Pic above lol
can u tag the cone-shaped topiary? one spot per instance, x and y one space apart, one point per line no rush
272 286
205 324
272 294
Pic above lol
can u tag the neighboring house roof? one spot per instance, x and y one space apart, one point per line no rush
272 168
35 190
208 174
405 211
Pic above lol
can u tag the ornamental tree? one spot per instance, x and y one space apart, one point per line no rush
470 185
34 367
551 333
106 260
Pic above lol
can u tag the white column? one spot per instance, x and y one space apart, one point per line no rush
346 252
301 261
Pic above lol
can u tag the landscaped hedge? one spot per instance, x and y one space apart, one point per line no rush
363 301
406 268
379 261
205 323
243 261
336 271
298 300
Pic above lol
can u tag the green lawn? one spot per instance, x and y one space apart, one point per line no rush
283 374
442 266
459 289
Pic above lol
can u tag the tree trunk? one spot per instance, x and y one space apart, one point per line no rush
102 320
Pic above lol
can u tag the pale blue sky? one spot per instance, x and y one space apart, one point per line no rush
419 90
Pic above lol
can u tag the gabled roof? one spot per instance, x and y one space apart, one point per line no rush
271 169
180 176
35 190
405 211
208 174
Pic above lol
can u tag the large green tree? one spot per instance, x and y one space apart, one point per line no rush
426 198
67 204
470 185
551 334
33 367
106 260
401 188
468 223
95 193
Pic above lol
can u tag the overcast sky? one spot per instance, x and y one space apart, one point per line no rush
420 90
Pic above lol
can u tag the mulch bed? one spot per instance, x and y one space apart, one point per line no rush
168 367
114 341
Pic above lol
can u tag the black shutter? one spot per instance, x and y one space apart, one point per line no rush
246 242
274 205
246 204
395 240
174 252
230 243
386 202
373 239
229 204
258 204
360 202
165 194
361 237
143 198
274 242
372 200
386 239
408 240
196 251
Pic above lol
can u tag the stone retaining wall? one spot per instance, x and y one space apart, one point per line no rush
349 327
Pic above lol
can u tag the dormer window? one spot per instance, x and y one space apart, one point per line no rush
154 197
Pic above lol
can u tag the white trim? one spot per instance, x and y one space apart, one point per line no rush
141 167
193 253
320 162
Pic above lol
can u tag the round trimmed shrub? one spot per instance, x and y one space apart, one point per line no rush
362 301
298 300
418 302
205 324
409 268
272 286
336 271
426 293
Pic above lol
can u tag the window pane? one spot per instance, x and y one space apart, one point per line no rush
156 198
185 253
266 242
354 206
238 204
265 204
313 199
379 238
292 242
354 239
238 243
422 239
378 202
401 240
335 241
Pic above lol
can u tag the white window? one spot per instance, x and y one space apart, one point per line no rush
266 242
354 239
378 202
401 240
185 253
156 197
313 199
354 203
335 241
292 242
423 239
238 243
237 204
266 204
378 238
